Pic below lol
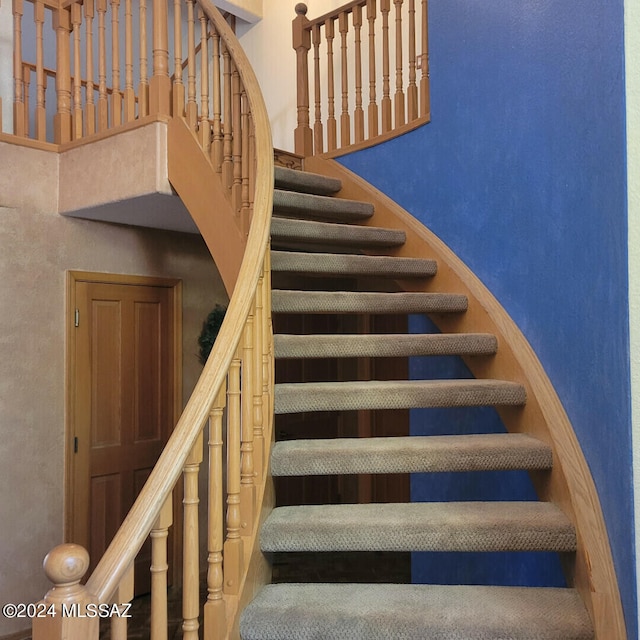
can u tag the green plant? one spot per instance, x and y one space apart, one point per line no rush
210 329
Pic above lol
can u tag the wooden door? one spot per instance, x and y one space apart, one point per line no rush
123 389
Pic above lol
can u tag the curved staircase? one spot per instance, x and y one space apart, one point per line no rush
315 233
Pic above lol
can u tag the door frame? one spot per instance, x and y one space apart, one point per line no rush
174 285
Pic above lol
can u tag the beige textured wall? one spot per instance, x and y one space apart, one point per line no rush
37 247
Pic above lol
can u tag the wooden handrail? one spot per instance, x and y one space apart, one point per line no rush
389 44
224 158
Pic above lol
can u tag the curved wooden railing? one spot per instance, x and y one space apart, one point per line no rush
381 44
220 161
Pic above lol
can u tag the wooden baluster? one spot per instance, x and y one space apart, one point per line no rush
359 112
204 131
116 96
345 120
76 120
41 112
247 470
399 95
372 111
303 137
227 143
236 189
318 133
178 84
90 107
425 100
103 101
191 545
331 118
160 85
245 211
215 626
129 92
267 346
386 99
26 85
19 128
233 548
159 571
65 565
62 118
252 162
122 596
192 106
143 88
412 89
258 404
216 146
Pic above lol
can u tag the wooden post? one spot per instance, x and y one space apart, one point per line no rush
116 96
204 129
178 84
67 602
359 112
215 621
233 546
318 133
19 128
129 92
143 88
329 34
345 120
386 98
62 118
76 21
159 569
372 111
160 84
425 100
90 114
399 118
303 137
192 106
123 595
412 89
258 404
41 114
103 100
190 560
247 471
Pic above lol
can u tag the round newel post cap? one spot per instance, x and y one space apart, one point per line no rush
66 564
301 9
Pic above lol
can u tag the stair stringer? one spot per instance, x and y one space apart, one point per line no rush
569 484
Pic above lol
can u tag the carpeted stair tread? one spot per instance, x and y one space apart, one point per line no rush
299 397
305 205
305 182
419 526
384 345
351 265
414 454
414 612
291 301
311 231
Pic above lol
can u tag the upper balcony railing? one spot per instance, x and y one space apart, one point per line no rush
391 54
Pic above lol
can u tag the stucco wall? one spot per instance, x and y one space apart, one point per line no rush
522 172
38 247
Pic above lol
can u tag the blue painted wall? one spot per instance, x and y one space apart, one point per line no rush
522 173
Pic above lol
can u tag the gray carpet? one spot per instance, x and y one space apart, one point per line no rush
414 612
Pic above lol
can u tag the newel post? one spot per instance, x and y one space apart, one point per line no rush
160 83
68 610
303 136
